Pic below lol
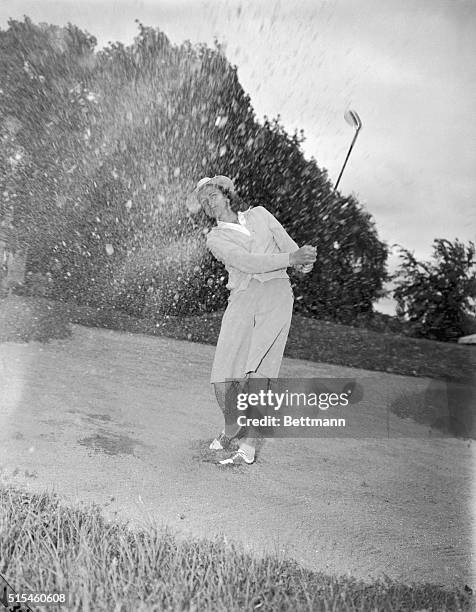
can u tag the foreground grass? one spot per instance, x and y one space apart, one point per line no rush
46 546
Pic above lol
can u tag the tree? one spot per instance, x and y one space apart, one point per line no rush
437 298
111 142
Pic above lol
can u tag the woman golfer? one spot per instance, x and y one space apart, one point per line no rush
256 250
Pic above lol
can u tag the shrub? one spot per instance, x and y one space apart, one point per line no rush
437 297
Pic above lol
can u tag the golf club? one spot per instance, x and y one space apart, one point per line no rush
354 121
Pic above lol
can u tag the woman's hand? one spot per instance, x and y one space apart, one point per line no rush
306 269
303 269
304 256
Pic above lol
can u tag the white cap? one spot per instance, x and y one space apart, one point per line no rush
220 180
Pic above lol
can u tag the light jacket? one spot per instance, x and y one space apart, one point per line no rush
263 255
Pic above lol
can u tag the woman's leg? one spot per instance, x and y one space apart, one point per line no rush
272 321
230 357
254 334
225 393
233 342
248 441
270 333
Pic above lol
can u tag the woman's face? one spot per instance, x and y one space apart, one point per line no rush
213 202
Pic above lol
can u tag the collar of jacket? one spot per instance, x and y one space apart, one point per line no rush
232 235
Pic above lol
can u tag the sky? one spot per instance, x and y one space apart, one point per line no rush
406 66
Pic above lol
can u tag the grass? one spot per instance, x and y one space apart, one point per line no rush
49 546
314 340
26 318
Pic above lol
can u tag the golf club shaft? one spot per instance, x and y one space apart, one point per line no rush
348 155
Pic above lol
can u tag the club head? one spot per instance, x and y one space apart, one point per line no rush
353 119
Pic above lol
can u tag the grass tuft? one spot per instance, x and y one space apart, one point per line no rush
48 546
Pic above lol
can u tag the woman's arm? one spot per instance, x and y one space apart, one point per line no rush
284 241
236 256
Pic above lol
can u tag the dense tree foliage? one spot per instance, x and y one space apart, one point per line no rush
437 297
102 149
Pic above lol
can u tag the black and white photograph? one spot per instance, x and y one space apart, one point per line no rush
237 305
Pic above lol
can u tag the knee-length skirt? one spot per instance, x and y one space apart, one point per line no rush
254 331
